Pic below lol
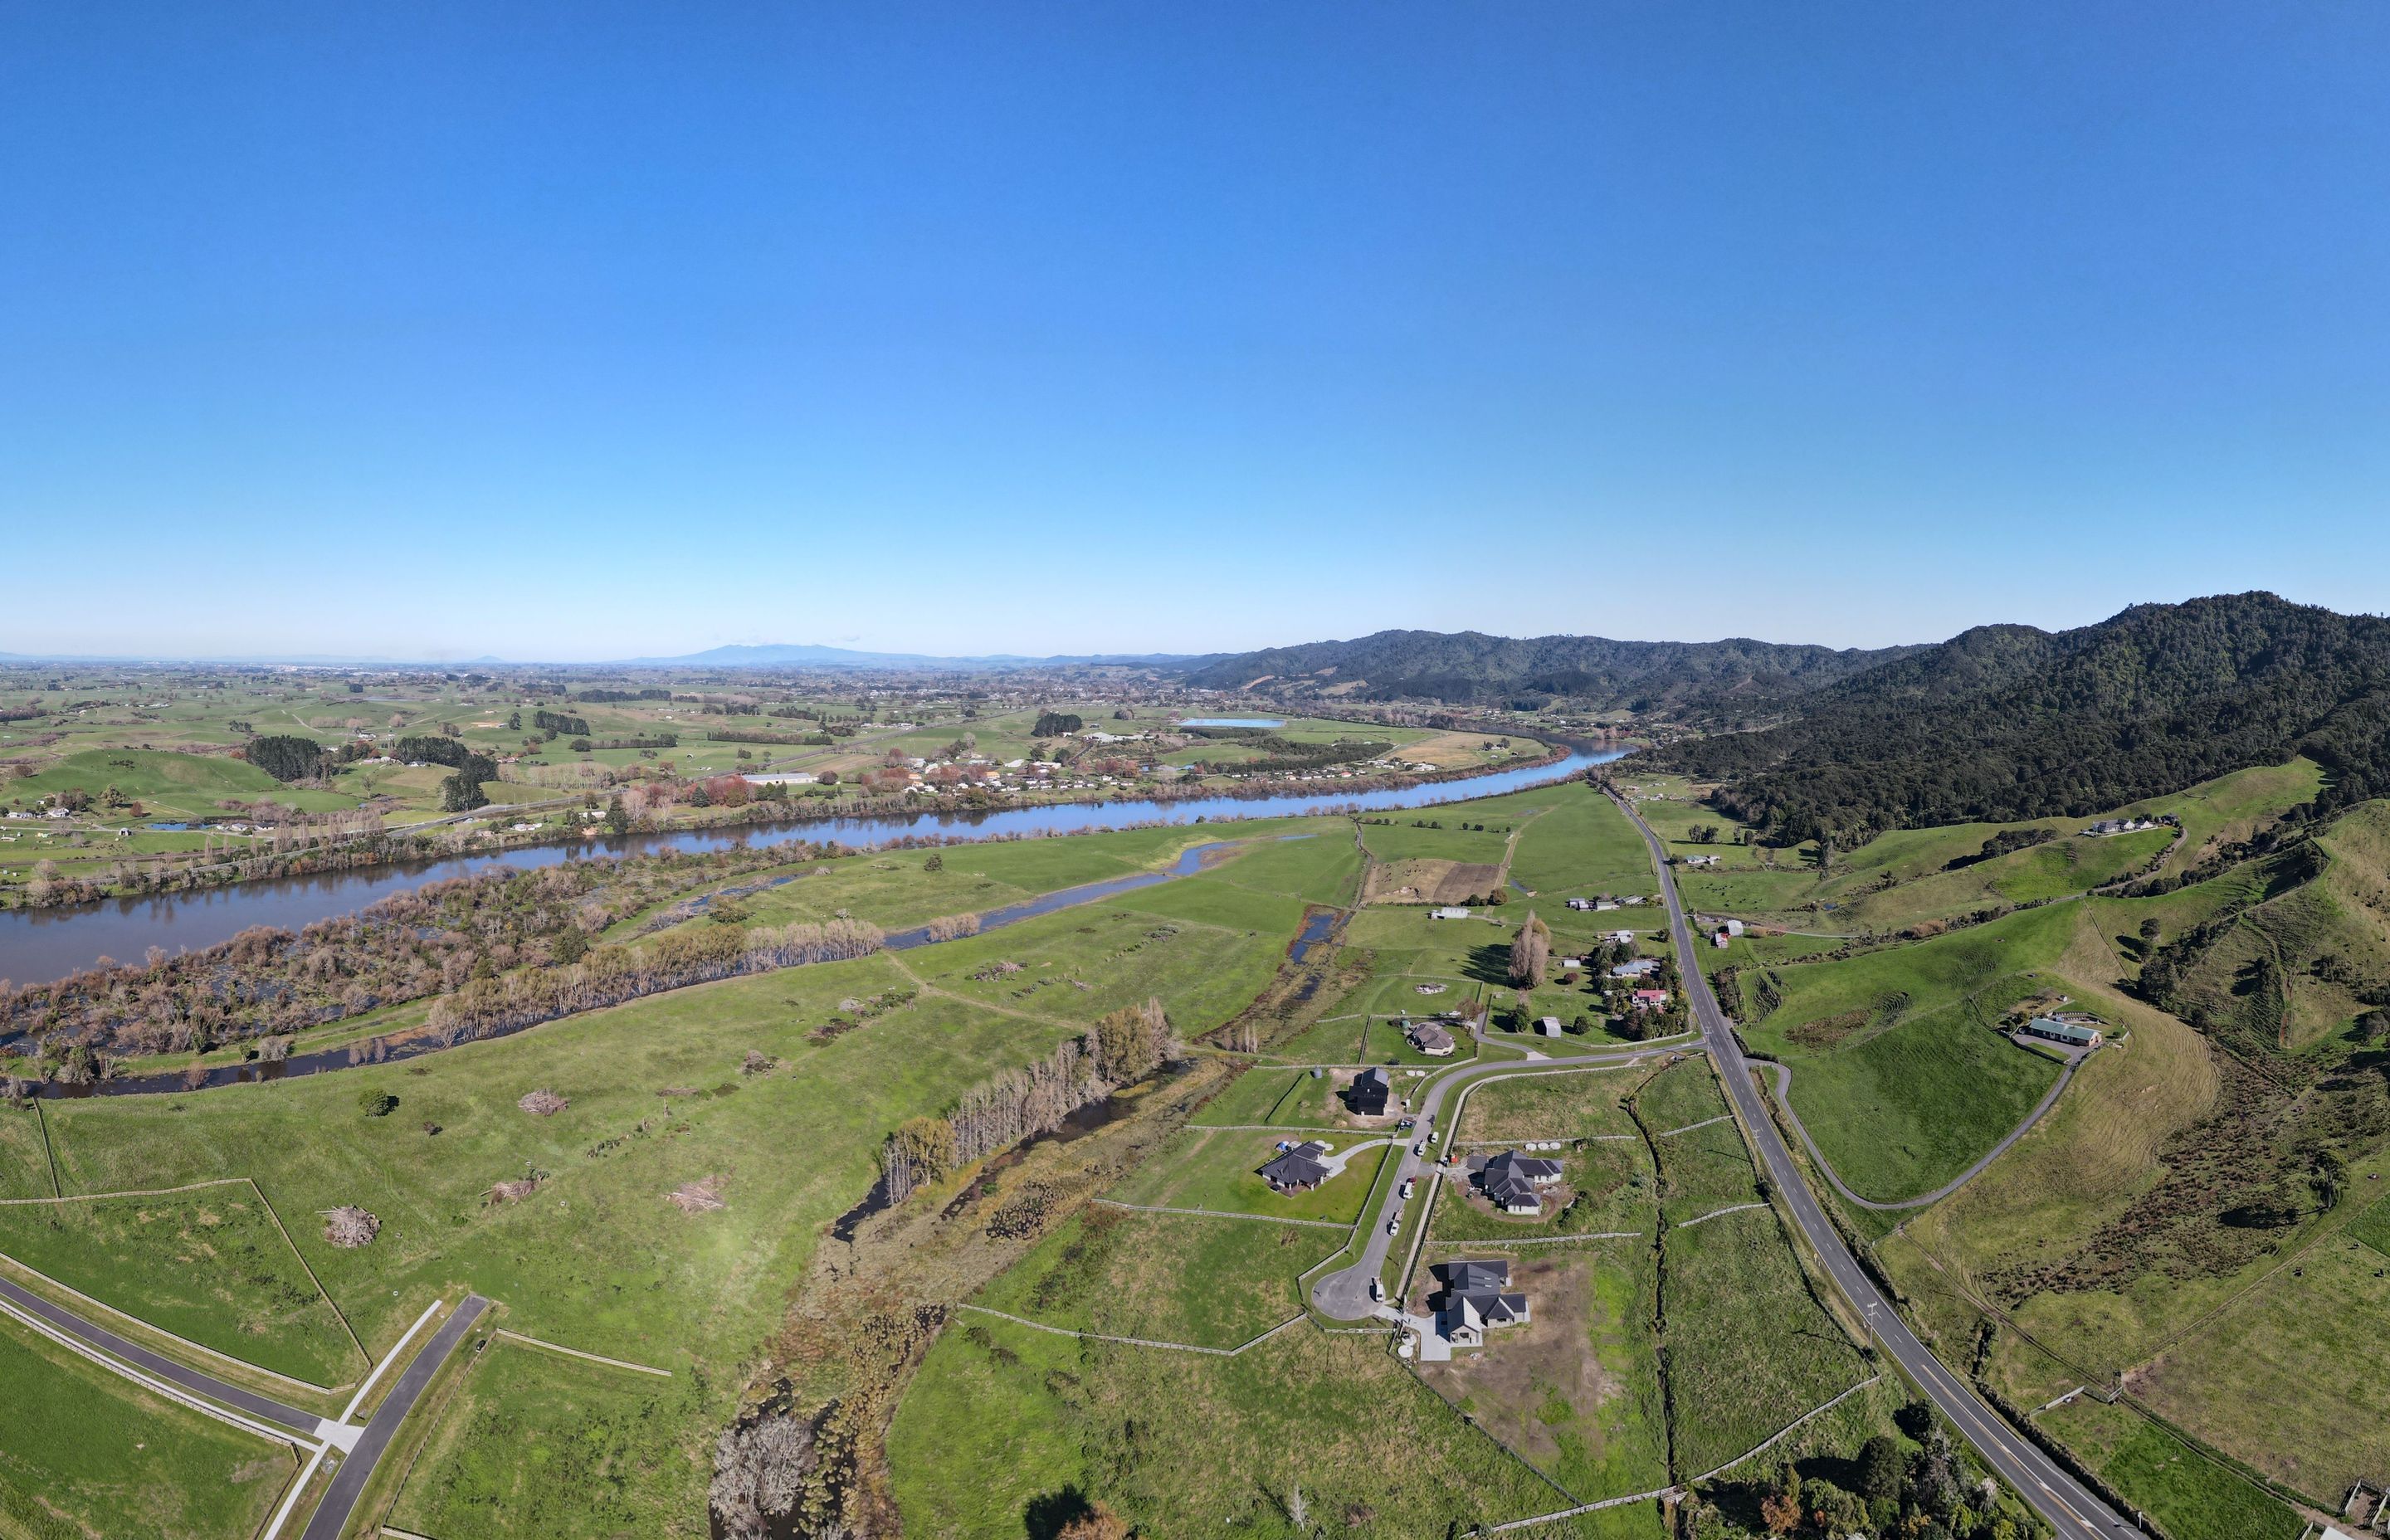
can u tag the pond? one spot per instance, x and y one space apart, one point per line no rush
39 945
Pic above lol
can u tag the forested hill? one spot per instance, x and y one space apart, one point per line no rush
2006 722
1469 666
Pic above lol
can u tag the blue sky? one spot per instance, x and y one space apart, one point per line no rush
589 331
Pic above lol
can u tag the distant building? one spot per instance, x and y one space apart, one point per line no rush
1549 1026
1723 939
1580 904
1733 927
1605 903
1702 860
2067 1033
1369 1093
1623 938
1447 914
1298 1169
1635 967
1650 999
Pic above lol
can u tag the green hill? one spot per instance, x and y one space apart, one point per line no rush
2007 723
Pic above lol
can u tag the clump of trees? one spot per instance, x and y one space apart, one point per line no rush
558 725
1125 1047
286 757
1531 953
1055 724
1881 1493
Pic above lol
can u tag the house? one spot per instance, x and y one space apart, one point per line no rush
1569 965
1431 1039
1604 904
1447 914
1635 967
1623 938
1723 939
1477 1296
1298 1169
1369 1093
1733 927
1580 904
1549 1026
1650 999
1702 860
1515 1182
2068 1032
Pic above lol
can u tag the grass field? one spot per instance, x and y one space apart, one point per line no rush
85 1453
209 1265
545 1447
1896 1069
1165 1277
1004 1427
1583 846
1207 1169
1747 1346
2193 1496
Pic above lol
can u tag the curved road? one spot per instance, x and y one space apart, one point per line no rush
1344 1295
1826 1169
2053 1494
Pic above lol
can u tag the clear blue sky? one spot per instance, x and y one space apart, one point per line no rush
584 331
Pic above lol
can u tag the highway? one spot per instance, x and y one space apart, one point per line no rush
2053 1494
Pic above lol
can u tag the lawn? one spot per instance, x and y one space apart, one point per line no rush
1216 1169
540 1446
209 1265
1605 1188
1164 1278
1259 1096
85 1453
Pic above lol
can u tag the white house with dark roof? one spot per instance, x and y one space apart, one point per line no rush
1299 1169
1431 1039
1477 1296
1515 1182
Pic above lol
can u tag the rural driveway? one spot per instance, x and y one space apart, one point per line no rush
2053 1494
349 1481
1826 1169
1343 1295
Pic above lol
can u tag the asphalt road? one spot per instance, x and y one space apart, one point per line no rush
264 1408
2051 1492
349 1481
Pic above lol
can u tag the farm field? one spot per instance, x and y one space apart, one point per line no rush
540 1445
1896 1069
1003 1423
210 1265
88 1453
2192 1495
1168 1278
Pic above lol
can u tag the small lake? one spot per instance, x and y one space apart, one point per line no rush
1232 722
40 944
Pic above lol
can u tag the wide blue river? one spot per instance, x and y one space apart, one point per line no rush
39 945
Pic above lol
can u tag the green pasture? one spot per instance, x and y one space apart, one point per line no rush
1218 1169
1162 1276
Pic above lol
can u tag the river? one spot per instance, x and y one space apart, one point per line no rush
41 945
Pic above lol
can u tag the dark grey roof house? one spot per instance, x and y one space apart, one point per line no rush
1368 1096
1298 1169
1475 1298
1511 1179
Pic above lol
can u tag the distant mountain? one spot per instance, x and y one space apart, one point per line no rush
793 655
2007 722
1469 666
